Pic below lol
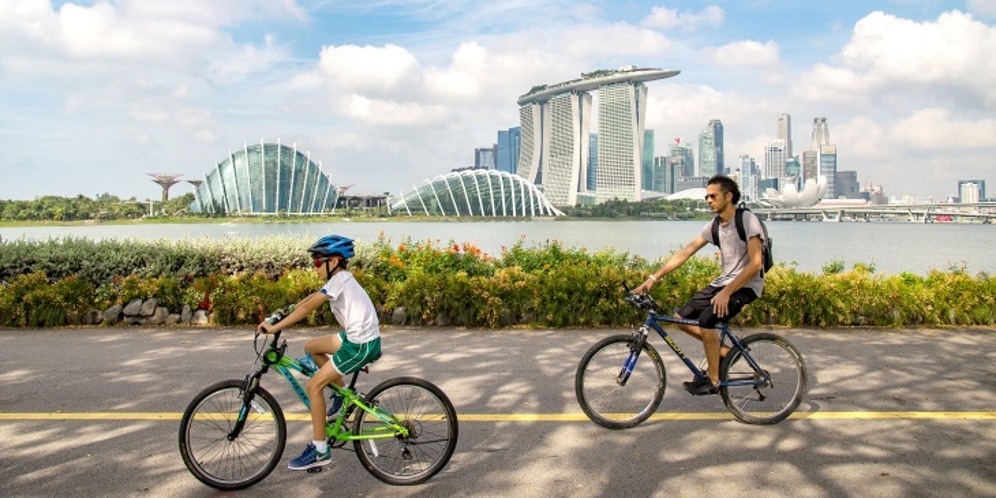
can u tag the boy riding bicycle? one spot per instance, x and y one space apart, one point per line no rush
335 355
740 282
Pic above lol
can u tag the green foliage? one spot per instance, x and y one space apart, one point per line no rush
241 281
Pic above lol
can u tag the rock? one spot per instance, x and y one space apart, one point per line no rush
149 307
398 316
158 316
200 318
173 319
133 308
113 314
186 314
92 317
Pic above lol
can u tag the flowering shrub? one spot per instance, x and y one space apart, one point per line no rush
241 281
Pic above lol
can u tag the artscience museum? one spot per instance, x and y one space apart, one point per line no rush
790 196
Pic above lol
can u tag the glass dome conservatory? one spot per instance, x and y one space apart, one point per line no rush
477 192
267 178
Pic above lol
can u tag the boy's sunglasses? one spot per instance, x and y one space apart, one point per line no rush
319 262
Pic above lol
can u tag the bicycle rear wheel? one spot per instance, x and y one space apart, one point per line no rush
610 403
423 409
768 395
204 436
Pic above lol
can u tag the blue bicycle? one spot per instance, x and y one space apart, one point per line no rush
620 381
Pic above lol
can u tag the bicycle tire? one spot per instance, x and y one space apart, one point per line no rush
244 461
603 399
433 430
775 400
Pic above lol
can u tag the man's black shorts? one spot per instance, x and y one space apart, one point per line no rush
700 306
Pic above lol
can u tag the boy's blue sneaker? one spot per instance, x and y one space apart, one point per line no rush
335 405
307 362
311 458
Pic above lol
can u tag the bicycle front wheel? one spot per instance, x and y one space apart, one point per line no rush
770 393
222 461
606 396
430 419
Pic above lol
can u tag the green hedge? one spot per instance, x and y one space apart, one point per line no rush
46 283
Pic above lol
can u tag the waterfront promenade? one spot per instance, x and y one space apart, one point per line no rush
890 413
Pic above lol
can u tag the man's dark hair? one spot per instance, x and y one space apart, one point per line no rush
726 184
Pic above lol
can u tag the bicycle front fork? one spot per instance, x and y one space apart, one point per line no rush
634 353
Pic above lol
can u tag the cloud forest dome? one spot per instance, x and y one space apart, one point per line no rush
265 178
475 193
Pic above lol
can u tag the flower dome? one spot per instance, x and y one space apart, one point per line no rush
265 179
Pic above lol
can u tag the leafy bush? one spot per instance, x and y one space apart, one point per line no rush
243 280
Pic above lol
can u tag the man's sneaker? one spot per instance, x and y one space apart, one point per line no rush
704 387
311 458
696 383
335 405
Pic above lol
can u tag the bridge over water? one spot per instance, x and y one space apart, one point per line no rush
976 212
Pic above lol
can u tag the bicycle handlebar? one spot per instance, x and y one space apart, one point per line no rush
641 300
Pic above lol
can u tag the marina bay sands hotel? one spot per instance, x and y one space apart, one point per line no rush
556 130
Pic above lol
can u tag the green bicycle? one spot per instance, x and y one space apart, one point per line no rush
232 434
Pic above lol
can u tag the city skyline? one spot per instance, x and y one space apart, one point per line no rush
95 95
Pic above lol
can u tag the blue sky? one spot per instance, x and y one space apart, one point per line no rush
95 95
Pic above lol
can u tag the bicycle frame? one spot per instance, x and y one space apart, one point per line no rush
274 357
654 321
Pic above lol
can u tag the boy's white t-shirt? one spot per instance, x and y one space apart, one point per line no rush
352 307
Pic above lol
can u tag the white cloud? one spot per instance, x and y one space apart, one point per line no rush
899 57
369 68
386 112
747 53
983 8
937 129
665 18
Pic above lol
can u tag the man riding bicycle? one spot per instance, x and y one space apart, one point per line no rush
739 283
335 355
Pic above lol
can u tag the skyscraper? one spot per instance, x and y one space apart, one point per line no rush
592 161
648 160
821 133
828 168
775 157
711 149
683 159
555 122
509 144
783 132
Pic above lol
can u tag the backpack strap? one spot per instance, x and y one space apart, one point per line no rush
739 218
715 230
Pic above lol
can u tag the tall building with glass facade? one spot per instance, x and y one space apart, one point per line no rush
266 178
648 160
711 160
508 147
783 132
592 161
821 133
683 159
555 121
775 158
828 168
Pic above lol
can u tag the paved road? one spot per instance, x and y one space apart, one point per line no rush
890 413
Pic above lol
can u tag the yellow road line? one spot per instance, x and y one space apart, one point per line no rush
533 417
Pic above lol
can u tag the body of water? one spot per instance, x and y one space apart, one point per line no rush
891 247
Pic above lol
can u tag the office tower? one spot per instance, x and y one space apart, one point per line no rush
783 132
648 160
969 193
775 157
980 184
750 175
821 133
828 168
555 121
509 145
663 175
592 161
622 108
485 157
711 149
847 185
683 159
810 164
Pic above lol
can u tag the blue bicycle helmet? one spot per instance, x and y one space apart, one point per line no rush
332 245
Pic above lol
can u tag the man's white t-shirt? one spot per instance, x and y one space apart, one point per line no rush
352 307
734 251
